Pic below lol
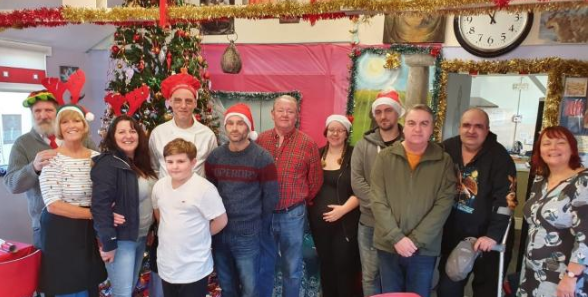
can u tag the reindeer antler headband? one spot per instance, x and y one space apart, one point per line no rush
134 99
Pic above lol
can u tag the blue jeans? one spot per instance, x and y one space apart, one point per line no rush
285 232
412 274
236 257
78 294
124 271
370 273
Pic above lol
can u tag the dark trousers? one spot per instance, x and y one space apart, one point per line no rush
338 258
195 289
485 277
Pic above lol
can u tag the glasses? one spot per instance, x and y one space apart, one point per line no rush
336 131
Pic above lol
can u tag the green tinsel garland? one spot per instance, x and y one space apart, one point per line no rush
254 96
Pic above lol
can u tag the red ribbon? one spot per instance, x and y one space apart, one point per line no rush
162 13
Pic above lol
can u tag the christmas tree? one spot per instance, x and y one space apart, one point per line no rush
144 55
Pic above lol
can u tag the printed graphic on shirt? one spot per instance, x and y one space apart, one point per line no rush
467 189
511 196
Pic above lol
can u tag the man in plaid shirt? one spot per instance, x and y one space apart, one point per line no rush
300 177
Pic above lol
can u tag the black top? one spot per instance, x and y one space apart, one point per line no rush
336 189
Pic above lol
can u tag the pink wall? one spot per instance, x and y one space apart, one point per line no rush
319 71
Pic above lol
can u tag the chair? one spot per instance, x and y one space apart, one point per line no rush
397 295
19 272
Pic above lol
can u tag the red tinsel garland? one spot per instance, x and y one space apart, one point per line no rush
52 17
29 18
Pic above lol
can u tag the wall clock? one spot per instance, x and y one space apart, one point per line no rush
492 34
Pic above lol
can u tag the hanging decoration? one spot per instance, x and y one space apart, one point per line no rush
393 60
555 68
134 15
231 60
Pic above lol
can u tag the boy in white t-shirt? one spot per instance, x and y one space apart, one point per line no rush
189 210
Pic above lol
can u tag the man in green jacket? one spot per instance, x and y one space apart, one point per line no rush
412 188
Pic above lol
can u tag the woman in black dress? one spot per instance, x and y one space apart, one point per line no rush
334 215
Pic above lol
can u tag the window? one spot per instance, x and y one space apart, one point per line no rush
15 120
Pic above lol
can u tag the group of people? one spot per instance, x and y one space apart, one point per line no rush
381 214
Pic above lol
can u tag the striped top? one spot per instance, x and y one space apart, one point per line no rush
67 179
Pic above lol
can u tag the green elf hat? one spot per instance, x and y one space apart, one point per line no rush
34 97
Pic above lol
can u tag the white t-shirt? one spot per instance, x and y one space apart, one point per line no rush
202 137
183 254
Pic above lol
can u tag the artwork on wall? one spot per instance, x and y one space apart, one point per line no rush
370 75
414 29
574 112
564 26
218 26
575 87
66 71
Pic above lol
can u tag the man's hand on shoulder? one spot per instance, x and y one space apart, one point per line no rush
42 159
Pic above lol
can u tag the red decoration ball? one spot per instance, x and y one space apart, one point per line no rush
115 49
136 38
206 75
350 118
180 33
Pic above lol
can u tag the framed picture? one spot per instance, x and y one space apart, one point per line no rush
576 87
414 29
220 26
564 26
370 77
66 71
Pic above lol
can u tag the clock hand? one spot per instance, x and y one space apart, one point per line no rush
492 20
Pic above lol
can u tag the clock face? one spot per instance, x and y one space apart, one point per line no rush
492 34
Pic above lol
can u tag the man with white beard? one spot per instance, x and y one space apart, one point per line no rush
31 152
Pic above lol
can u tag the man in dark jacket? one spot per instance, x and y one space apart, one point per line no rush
483 205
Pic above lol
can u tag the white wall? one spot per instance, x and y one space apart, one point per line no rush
95 70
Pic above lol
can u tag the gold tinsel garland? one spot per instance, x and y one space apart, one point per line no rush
298 9
555 68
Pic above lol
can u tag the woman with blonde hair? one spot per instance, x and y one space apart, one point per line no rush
71 264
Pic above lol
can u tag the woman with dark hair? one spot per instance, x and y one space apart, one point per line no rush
122 179
557 213
334 215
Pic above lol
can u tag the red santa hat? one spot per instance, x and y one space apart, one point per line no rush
391 98
179 81
242 110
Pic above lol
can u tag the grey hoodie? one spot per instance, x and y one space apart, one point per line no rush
364 154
